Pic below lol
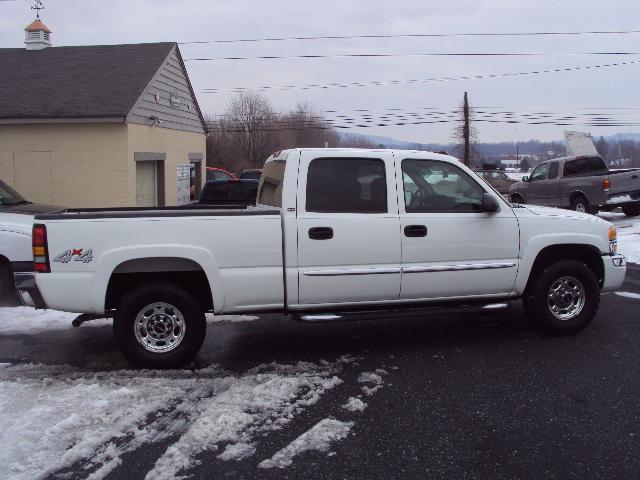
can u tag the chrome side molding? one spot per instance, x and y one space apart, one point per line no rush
458 268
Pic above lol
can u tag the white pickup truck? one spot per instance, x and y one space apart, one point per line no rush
334 232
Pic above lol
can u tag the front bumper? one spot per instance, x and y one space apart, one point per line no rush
28 293
615 268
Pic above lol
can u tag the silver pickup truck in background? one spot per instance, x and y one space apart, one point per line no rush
584 184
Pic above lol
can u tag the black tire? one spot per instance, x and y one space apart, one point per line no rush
538 305
631 210
194 326
8 296
517 198
580 204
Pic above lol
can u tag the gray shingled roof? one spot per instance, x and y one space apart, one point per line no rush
76 82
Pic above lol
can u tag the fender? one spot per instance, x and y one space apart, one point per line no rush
536 244
111 259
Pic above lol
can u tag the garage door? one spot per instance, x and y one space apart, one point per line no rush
146 184
33 175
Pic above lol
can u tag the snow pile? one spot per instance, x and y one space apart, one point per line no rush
354 405
319 437
56 417
373 379
27 320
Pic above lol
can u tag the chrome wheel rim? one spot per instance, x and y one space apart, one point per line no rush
581 208
159 327
566 298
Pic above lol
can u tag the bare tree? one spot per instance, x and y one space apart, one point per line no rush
304 127
250 119
465 134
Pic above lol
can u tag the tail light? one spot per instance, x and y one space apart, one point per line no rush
40 249
606 184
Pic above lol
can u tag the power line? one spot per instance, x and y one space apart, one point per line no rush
410 35
391 55
386 83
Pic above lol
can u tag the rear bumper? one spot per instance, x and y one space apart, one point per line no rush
28 293
615 268
623 199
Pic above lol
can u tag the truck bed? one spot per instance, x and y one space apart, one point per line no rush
192 210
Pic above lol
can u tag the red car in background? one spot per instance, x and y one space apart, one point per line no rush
215 173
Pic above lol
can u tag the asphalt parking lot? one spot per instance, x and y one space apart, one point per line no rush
458 397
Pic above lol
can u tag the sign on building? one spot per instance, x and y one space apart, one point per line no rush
184 175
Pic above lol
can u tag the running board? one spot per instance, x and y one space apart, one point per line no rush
325 316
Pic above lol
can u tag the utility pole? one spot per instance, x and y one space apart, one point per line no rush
466 130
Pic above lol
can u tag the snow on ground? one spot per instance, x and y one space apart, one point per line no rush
628 234
27 320
55 417
373 380
635 296
319 437
211 318
354 405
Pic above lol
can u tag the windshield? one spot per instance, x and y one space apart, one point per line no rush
8 196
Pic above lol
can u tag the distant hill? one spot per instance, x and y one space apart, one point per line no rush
635 137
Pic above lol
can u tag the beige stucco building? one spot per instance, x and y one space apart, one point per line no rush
100 126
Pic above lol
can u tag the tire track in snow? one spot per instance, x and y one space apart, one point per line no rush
57 418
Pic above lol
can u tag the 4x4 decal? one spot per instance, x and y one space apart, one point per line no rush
76 254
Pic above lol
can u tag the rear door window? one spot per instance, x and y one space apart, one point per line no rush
346 185
553 170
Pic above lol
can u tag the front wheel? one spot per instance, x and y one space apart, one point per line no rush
631 210
562 298
159 326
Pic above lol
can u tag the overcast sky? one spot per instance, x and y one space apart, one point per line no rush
85 22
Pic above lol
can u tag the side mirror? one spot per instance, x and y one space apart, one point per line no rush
525 178
489 203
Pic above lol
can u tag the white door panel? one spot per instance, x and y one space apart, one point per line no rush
462 253
354 256
360 263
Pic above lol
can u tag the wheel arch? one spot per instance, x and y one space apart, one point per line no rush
122 269
585 253
576 194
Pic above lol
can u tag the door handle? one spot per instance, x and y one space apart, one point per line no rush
415 231
321 233
634 176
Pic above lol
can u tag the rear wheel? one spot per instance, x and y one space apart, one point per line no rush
580 204
631 210
159 326
562 298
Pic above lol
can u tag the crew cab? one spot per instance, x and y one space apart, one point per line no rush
334 232
582 183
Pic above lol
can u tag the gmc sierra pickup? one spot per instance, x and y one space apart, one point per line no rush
334 232
583 184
